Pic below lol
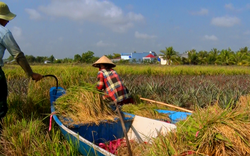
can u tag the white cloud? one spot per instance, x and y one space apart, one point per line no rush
211 37
101 12
225 21
201 12
34 15
17 32
143 36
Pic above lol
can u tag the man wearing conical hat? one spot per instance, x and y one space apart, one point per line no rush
8 42
110 82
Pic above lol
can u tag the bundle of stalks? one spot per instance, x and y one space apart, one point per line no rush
210 131
136 147
83 104
146 110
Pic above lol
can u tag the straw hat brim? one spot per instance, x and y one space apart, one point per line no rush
103 60
8 16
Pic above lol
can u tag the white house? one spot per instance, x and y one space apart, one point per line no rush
162 61
46 62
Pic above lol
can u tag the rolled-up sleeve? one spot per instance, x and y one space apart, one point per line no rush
10 44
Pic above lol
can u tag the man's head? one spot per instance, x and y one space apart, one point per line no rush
5 14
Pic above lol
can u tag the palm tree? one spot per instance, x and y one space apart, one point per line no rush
246 56
239 58
212 56
168 54
225 57
193 57
202 57
244 50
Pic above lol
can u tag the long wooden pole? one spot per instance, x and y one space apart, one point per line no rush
169 105
124 129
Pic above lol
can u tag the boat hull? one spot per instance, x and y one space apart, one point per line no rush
87 137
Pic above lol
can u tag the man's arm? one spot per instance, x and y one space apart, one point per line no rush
100 81
13 48
22 61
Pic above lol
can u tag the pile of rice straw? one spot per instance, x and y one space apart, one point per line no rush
83 104
210 131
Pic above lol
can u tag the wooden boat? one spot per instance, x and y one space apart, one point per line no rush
88 137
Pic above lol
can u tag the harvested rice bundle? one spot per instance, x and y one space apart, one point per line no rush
211 131
83 104
146 110
216 131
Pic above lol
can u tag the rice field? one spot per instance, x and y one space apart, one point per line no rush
193 87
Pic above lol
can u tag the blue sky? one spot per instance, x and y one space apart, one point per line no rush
64 28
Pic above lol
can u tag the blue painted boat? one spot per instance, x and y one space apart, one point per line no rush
88 137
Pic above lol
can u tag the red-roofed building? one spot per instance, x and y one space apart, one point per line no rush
139 57
149 57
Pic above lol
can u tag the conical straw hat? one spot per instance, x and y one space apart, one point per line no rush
103 60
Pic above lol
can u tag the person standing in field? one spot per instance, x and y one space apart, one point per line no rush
8 42
110 82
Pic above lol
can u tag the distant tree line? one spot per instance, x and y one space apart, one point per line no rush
191 57
86 57
212 57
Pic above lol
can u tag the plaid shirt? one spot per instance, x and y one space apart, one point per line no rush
110 81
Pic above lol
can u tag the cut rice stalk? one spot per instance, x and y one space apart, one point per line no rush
83 104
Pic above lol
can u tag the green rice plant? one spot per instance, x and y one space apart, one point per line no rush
31 138
86 70
25 99
83 104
